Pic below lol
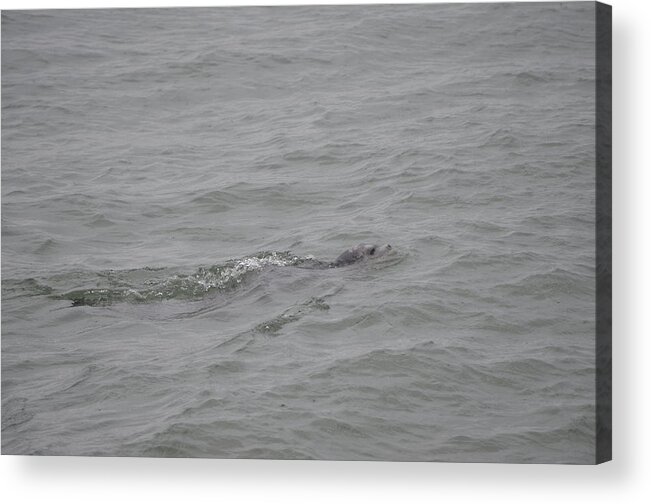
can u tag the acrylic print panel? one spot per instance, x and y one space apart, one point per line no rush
184 192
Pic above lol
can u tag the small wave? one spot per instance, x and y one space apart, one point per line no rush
482 226
416 361
21 288
497 262
215 201
551 284
46 247
531 77
502 137
292 314
15 412
219 438
99 220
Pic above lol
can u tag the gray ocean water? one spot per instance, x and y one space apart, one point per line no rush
168 177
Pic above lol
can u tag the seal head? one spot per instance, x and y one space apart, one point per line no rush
361 252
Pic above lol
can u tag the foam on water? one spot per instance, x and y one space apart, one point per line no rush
193 286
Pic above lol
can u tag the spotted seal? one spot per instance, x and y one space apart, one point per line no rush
360 252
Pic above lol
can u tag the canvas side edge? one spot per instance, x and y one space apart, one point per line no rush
603 79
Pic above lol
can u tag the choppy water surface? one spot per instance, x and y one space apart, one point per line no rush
169 177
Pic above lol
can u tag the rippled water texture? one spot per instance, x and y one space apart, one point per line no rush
176 183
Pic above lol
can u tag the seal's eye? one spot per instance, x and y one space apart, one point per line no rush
372 251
